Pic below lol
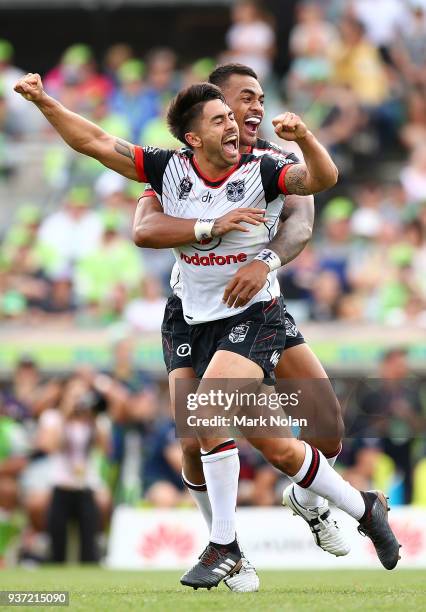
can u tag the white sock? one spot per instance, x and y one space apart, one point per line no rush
317 475
221 468
201 498
306 497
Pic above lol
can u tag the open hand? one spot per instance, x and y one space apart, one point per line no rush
245 283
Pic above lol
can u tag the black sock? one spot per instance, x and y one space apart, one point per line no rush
231 547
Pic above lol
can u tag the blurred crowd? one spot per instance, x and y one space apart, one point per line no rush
72 447
357 76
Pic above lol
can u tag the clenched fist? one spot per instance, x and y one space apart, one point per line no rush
30 87
289 126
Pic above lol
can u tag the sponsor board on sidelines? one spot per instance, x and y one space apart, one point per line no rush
272 538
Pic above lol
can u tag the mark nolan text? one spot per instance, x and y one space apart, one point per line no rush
272 420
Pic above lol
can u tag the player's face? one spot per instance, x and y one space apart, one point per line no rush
246 98
218 132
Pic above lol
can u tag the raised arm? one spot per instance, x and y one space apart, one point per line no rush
79 133
152 228
293 234
318 172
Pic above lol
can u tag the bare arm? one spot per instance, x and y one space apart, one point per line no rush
293 233
295 229
156 230
80 134
319 171
152 228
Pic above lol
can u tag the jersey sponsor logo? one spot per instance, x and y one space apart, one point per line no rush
207 198
290 328
213 260
183 350
235 190
207 244
238 333
184 188
275 357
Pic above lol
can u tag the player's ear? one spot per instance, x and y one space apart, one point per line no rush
193 140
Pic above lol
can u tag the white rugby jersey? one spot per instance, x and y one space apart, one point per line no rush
205 268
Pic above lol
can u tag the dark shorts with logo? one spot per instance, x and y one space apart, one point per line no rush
176 341
258 333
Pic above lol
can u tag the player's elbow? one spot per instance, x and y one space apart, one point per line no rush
328 178
331 178
141 236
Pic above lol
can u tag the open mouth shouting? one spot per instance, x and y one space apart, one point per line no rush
230 145
251 125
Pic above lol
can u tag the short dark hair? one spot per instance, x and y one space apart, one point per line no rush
188 105
222 74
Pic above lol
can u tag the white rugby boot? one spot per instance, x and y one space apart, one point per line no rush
325 529
245 580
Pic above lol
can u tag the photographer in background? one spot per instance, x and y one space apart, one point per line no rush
72 434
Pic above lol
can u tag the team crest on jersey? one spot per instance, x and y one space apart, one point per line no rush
238 333
235 190
184 188
290 328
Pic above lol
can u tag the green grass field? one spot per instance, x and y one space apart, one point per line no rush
95 589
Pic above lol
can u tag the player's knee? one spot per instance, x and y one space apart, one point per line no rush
282 454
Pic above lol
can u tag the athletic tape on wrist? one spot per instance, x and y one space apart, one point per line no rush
203 228
270 258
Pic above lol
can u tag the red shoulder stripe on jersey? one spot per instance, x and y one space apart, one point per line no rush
147 193
281 181
139 164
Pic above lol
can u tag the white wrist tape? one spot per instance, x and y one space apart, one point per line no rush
203 228
270 258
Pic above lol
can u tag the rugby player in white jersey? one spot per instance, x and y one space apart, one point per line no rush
245 97
201 119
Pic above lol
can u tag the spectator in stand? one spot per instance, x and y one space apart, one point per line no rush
76 78
161 76
251 38
115 56
409 48
381 20
76 218
131 101
413 132
22 120
310 43
325 295
13 458
393 413
146 313
162 465
357 64
335 248
73 435
114 262
413 176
